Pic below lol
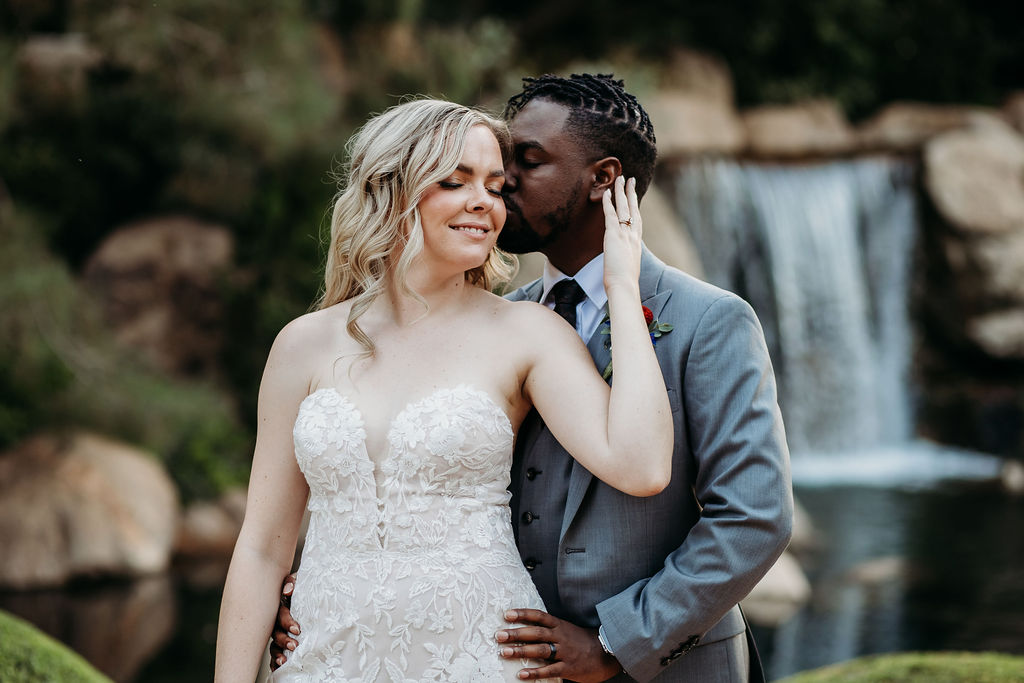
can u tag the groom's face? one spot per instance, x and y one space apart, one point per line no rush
544 180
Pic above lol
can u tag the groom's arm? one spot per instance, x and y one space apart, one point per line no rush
742 483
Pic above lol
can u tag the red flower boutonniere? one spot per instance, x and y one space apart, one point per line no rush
653 326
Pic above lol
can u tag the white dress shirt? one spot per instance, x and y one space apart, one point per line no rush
590 278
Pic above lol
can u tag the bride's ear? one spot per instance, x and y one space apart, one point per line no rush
604 172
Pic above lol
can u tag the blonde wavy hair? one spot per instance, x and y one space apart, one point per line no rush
376 231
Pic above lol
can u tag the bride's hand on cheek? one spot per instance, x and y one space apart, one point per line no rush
623 234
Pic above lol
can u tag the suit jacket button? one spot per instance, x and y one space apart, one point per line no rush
532 472
529 517
530 563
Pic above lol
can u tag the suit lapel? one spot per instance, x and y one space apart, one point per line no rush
650 275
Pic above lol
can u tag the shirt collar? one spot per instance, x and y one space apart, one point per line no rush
590 278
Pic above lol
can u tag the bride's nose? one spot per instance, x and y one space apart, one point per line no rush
482 201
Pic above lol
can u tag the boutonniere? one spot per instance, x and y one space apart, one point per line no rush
656 328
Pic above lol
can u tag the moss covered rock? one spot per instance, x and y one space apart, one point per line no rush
29 656
920 667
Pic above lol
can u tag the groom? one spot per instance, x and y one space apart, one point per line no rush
637 588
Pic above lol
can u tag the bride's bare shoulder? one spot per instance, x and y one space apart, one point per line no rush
313 330
530 318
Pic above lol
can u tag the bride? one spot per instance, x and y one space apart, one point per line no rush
390 412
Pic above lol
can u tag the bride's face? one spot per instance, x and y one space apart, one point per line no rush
463 214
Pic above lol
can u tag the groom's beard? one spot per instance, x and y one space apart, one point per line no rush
519 237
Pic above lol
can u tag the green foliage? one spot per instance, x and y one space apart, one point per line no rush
29 656
862 52
935 667
59 367
189 102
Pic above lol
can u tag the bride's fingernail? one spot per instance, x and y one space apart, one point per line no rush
501 636
288 588
507 652
294 629
510 614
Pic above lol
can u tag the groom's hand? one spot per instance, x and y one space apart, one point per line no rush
281 642
578 653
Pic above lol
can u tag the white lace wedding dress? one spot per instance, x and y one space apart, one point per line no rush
409 560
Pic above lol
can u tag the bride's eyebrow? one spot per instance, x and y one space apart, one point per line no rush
496 173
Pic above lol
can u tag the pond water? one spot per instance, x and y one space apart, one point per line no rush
937 567
900 569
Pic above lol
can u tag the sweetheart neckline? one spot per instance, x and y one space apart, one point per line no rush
412 404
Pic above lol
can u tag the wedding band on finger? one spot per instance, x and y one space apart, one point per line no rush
628 222
554 651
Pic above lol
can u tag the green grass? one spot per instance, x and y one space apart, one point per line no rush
27 655
920 667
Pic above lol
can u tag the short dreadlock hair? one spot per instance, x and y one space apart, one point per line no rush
604 119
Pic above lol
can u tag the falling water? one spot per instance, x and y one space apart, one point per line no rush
823 253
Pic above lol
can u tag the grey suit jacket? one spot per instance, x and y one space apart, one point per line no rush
664 574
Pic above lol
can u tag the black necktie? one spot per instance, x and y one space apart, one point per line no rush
566 295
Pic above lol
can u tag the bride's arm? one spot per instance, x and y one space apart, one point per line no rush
623 436
266 544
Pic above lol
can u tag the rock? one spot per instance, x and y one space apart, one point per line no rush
906 126
52 70
975 178
27 654
666 236
1013 110
118 627
805 536
779 595
210 528
1012 477
687 124
158 281
531 267
809 129
697 74
994 265
999 333
83 505
878 571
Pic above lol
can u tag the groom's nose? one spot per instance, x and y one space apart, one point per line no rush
511 177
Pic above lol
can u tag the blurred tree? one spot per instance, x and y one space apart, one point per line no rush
863 52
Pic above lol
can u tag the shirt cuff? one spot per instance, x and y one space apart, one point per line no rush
603 639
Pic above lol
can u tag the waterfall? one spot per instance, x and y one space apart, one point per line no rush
823 253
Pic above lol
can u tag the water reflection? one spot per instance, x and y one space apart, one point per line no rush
118 626
931 569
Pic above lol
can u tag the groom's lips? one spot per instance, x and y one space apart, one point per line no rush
510 205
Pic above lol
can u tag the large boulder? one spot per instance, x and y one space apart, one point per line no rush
690 124
159 283
52 70
779 594
209 528
82 505
975 178
666 236
809 129
698 74
1013 110
907 126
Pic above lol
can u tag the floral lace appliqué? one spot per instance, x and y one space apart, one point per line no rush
409 560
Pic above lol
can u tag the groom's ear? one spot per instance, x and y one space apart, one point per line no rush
604 172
